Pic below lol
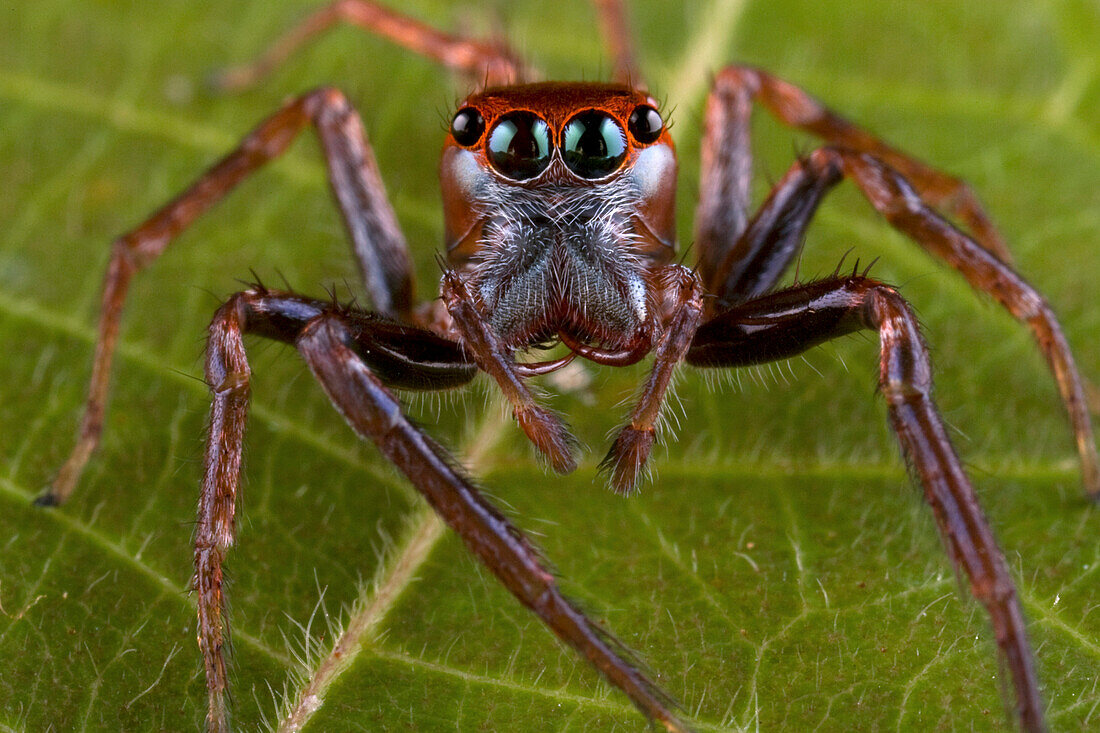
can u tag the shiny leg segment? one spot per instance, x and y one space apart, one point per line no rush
786 323
757 260
331 342
400 354
726 176
377 242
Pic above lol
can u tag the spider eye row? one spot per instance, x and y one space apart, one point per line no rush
593 144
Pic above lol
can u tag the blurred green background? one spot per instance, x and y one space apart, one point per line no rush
781 572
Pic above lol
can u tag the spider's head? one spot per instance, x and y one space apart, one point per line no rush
598 146
554 189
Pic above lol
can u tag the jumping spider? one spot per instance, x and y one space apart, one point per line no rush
558 205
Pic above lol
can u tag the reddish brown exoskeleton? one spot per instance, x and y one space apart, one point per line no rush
559 230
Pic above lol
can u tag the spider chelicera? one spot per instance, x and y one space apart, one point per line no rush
559 230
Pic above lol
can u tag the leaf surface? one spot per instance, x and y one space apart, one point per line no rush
781 572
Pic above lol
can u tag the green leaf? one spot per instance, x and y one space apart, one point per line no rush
781 572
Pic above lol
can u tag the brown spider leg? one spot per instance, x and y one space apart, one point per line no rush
539 368
786 323
628 454
615 28
892 195
542 427
399 354
333 345
627 356
228 375
377 241
774 236
490 63
376 415
757 260
722 212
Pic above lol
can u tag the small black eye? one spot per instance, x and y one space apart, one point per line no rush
593 145
519 146
467 126
645 124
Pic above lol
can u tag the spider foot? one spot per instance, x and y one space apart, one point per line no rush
67 478
46 499
550 436
627 458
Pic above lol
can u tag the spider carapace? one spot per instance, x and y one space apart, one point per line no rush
558 203
559 230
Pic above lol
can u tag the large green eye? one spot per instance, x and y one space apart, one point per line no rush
519 146
593 145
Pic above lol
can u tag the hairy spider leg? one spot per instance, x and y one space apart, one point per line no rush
627 456
490 62
403 355
335 343
726 175
787 322
377 242
756 261
543 428
738 260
